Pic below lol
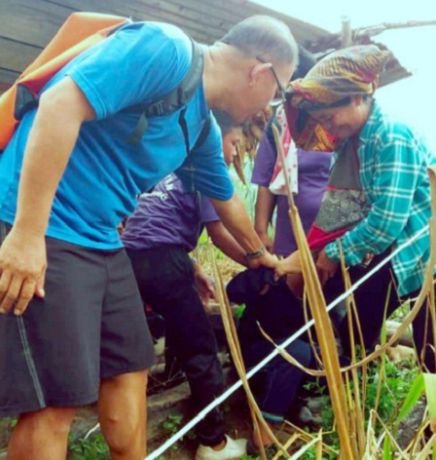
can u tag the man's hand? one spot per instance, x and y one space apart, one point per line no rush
326 267
23 262
292 264
266 260
204 284
266 241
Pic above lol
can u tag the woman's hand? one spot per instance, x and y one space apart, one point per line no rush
292 264
326 267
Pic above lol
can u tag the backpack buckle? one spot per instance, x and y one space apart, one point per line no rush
157 109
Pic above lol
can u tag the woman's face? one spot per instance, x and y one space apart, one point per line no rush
230 141
343 122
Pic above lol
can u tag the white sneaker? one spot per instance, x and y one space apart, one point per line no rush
234 450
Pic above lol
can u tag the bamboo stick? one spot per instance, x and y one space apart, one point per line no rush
323 325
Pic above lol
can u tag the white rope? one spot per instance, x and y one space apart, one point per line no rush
177 436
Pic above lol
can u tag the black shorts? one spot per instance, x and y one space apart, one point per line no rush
90 326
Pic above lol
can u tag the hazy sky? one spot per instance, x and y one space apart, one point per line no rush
413 98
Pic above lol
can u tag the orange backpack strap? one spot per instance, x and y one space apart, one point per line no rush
79 32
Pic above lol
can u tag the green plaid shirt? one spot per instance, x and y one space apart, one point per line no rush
393 174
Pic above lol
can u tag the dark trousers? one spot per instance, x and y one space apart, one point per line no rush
277 384
165 278
371 298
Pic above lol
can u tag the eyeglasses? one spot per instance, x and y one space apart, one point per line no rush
281 90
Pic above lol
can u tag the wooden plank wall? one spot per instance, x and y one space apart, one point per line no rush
26 26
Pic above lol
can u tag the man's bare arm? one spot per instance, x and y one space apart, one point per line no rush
235 218
223 240
62 110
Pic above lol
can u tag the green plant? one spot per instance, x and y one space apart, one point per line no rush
396 385
93 449
311 454
172 425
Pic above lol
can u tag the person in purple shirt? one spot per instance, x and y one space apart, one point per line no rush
313 171
158 237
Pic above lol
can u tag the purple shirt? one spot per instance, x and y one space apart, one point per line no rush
313 172
168 215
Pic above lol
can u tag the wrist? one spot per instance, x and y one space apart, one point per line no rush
264 259
256 254
29 230
261 231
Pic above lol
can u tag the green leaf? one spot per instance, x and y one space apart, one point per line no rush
430 391
176 418
387 455
240 311
418 388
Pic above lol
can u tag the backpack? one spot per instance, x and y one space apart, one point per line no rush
80 32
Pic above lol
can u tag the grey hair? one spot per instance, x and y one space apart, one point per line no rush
265 37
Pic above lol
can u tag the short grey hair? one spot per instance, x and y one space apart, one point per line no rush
265 37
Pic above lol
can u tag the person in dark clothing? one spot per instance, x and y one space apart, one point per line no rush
158 237
280 313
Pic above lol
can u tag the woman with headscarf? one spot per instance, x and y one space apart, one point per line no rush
378 194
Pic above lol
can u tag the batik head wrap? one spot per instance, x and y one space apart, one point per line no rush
330 83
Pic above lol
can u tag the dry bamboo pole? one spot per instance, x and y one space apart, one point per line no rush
425 453
305 436
319 447
323 325
382 372
235 350
309 332
358 409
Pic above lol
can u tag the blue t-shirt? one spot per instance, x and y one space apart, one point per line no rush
169 215
138 64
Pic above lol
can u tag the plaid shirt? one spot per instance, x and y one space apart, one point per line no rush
393 174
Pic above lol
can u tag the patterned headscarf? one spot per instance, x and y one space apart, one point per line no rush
340 75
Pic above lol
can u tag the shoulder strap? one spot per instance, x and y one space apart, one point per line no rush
173 100
204 133
269 132
200 140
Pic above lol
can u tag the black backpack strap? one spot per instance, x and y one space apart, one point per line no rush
204 132
269 131
199 142
184 126
172 101
25 100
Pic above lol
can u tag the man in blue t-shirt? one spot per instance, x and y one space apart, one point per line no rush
67 178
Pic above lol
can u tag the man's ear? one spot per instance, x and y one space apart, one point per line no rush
258 70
